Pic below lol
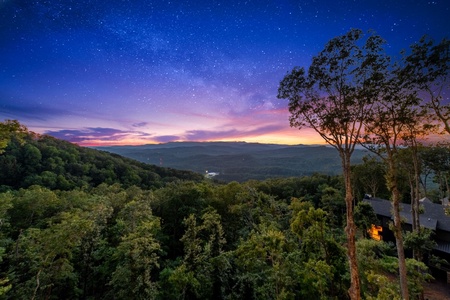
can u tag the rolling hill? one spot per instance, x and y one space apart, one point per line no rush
239 161
57 164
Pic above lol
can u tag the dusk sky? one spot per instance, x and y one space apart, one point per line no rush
98 72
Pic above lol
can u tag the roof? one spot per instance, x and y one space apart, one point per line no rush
434 216
426 222
443 246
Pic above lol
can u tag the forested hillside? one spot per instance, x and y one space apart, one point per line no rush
240 161
77 223
56 164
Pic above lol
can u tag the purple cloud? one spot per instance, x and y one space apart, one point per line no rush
81 136
140 124
206 135
266 129
113 136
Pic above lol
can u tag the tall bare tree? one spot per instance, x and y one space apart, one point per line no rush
334 98
427 70
392 118
415 133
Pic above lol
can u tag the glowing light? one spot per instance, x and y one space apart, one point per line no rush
375 232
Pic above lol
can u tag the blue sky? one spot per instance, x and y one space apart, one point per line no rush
136 72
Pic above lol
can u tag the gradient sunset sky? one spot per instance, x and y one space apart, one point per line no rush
98 72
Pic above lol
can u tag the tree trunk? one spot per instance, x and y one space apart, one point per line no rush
441 184
350 229
416 187
447 186
38 284
416 200
415 216
424 184
393 187
413 207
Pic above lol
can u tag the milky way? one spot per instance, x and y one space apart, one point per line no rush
134 72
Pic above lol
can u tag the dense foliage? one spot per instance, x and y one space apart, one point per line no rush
56 164
353 93
152 233
187 240
76 223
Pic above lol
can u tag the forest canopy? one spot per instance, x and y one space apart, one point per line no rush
174 235
78 223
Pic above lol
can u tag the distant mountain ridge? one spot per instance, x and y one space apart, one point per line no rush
239 161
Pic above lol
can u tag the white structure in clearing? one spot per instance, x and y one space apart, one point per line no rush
211 174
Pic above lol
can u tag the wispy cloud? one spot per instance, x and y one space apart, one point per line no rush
26 111
215 135
207 135
98 134
140 124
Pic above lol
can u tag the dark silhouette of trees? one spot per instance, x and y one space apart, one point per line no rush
426 70
353 94
334 97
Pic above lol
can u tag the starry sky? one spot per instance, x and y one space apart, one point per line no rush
116 72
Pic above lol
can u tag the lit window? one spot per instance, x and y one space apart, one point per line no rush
375 232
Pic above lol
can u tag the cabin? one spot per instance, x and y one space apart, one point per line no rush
433 216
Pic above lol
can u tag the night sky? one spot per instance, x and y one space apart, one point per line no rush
136 72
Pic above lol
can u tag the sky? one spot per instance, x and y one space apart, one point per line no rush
115 72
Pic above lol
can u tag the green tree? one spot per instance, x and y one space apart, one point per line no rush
138 256
316 277
93 256
319 249
8 129
334 98
377 260
420 241
410 164
263 264
437 160
369 178
138 252
332 201
173 204
43 258
6 200
365 217
227 198
202 270
32 207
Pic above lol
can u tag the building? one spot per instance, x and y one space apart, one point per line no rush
433 216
